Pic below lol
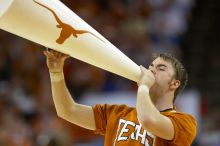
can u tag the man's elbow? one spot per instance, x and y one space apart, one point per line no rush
63 114
60 114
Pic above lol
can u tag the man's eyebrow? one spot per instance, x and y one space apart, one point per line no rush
158 65
161 65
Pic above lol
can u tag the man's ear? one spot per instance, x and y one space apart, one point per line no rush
175 84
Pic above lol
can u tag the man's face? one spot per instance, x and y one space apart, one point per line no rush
164 76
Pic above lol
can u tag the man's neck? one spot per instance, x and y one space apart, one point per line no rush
164 102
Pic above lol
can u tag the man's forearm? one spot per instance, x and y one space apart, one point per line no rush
146 111
61 96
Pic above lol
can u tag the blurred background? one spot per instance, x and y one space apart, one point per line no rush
189 29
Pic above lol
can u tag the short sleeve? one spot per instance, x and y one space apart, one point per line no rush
184 127
100 118
106 113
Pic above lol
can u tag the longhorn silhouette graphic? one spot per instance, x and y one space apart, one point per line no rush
66 29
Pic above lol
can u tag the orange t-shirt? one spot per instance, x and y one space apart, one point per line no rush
120 126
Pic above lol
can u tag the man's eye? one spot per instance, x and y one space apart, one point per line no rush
162 69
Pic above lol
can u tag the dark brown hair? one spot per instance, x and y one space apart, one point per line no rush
180 71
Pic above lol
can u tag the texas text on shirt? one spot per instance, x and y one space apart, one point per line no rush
120 126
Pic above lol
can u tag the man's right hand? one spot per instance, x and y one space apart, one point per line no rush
55 60
147 77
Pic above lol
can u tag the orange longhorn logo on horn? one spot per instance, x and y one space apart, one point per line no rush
66 29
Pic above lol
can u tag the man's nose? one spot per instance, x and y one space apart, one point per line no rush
152 69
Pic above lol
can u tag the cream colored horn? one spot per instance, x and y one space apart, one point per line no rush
53 25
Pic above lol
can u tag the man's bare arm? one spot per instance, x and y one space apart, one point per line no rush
65 105
148 115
